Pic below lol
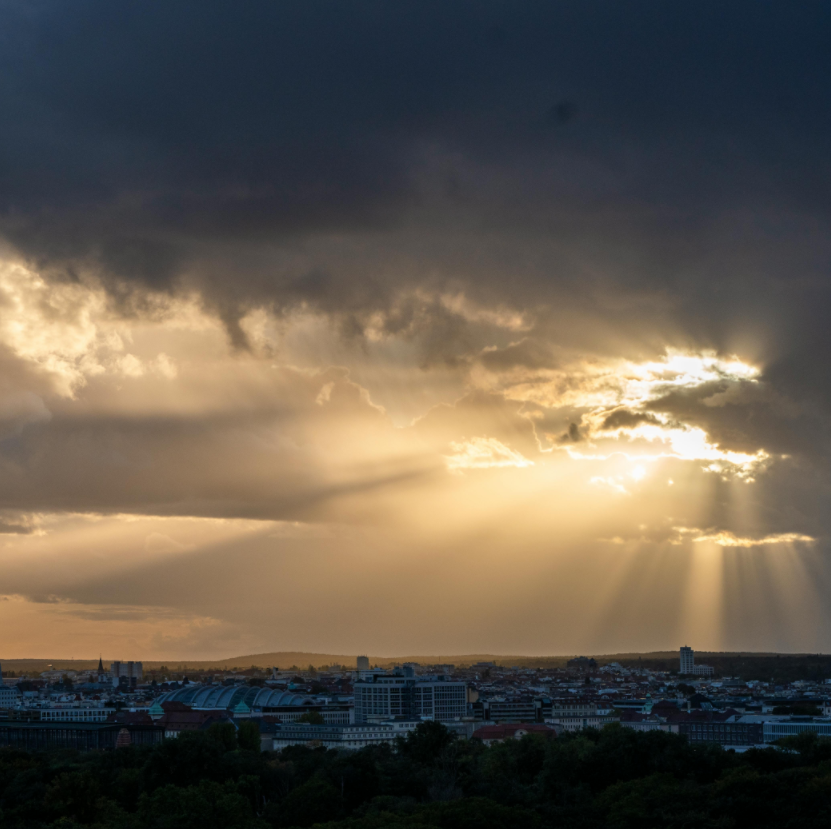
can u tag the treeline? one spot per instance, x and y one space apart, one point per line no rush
616 778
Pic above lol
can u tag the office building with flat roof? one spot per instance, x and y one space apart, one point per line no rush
380 696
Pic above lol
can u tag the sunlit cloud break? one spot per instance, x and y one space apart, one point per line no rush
621 412
724 538
608 383
623 402
484 453
689 443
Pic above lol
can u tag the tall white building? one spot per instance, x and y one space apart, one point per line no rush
363 663
689 667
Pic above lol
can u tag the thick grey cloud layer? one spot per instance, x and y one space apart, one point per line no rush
674 154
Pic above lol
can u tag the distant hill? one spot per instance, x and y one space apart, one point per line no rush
301 659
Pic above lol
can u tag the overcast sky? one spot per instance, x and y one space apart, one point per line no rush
414 327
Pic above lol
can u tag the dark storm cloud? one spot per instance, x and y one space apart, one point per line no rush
164 138
625 419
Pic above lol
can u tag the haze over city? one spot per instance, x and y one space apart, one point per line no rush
413 328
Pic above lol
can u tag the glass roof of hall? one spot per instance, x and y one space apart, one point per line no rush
229 696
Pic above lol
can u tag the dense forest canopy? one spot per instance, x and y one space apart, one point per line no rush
616 777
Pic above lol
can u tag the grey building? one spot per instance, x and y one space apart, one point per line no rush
726 733
507 711
126 673
8 694
688 666
381 696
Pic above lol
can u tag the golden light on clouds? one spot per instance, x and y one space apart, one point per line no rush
484 453
482 358
728 539
142 449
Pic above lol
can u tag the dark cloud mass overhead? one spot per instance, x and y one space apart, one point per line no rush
444 282
151 140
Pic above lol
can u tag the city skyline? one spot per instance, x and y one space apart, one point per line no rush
440 329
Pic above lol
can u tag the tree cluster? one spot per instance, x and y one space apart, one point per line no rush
616 778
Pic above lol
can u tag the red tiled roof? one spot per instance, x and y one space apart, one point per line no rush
503 732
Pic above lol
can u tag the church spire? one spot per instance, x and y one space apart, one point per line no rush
100 665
